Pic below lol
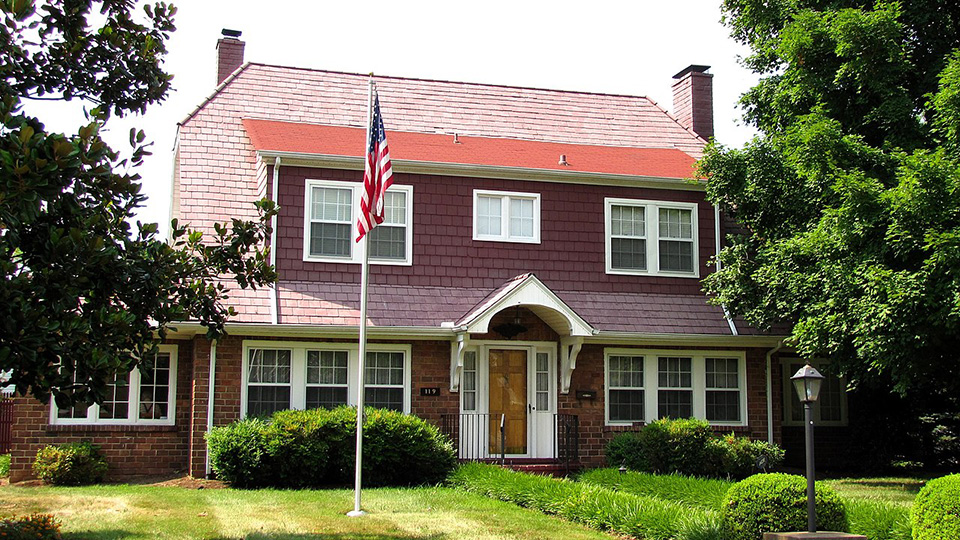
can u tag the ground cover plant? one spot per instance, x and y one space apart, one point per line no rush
167 513
32 527
623 513
295 449
699 492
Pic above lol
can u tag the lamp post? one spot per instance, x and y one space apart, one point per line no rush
807 383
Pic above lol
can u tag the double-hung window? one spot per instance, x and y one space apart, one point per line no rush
503 216
302 375
651 237
330 216
146 395
643 385
830 409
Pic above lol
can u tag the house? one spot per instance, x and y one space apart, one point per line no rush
534 290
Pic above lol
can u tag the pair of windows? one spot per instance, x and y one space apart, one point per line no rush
645 385
651 237
830 408
502 216
307 376
330 224
144 396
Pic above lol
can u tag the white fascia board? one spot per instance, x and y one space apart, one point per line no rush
190 329
529 292
487 171
651 339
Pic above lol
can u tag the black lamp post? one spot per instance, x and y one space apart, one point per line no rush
807 383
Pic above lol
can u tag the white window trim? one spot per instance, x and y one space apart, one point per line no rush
505 198
789 391
652 236
298 368
699 379
355 255
133 409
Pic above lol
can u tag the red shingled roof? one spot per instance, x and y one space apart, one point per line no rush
435 148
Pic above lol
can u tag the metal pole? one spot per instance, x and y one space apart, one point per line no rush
811 492
363 345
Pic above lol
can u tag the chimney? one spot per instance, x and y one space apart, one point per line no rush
693 100
229 54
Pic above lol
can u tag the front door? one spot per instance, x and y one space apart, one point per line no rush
508 401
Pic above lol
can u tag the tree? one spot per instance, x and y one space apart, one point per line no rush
850 195
86 296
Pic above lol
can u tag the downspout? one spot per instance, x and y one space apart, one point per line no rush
274 293
770 354
213 375
716 235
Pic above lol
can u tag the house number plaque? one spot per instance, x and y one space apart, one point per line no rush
430 391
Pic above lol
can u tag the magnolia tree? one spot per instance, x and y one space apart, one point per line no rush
851 192
85 295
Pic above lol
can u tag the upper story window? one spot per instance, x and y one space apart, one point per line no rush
830 409
651 237
300 375
146 395
643 385
503 216
329 224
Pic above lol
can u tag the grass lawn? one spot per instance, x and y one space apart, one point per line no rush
121 511
898 490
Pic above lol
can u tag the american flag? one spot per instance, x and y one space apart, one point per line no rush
377 174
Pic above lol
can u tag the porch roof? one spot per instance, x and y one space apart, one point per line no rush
322 303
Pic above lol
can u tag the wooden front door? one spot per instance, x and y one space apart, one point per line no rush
508 401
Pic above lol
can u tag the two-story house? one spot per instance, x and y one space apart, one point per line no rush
539 269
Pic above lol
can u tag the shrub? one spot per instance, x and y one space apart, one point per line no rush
936 510
741 457
595 506
71 464
688 446
777 503
32 527
4 465
316 447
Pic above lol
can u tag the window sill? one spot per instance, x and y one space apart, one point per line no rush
101 428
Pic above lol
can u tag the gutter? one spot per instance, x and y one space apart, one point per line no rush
213 376
770 354
274 288
332 161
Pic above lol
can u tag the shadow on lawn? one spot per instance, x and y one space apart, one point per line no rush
118 535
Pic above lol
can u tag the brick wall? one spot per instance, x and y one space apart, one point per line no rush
570 256
229 57
130 450
693 102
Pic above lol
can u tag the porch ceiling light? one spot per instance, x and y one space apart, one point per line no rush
512 329
807 382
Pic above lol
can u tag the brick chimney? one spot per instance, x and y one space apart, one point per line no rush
693 100
229 54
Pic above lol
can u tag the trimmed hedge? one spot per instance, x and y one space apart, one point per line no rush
936 510
295 449
688 446
777 503
604 509
32 527
70 464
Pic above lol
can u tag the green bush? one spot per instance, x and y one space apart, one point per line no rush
595 506
4 465
688 446
741 457
777 503
71 464
296 449
32 527
936 510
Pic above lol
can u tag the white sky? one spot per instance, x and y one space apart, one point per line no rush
622 47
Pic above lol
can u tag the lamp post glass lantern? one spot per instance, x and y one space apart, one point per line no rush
807 382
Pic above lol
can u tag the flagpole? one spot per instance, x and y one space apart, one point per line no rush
363 340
